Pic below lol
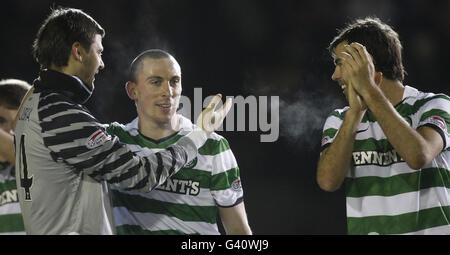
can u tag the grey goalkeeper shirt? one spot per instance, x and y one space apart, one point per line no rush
64 156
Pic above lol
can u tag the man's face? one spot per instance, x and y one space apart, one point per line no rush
337 75
157 90
7 117
92 62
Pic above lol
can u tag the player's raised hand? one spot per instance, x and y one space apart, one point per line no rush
355 101
359 67
210 119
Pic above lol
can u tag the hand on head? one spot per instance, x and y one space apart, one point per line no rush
358 67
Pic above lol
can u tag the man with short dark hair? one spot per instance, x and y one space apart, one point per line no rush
11 93
391 145
64 155
189 201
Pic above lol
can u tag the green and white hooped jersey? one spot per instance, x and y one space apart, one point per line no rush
11 221
187 202
386 196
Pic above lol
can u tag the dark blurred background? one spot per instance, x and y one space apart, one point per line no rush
243 47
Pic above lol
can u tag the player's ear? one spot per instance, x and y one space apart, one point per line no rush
378 78
76 51
130 87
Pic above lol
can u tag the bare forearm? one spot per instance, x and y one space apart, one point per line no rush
7 146
335 160
408 142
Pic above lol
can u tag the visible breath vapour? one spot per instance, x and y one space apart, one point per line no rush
302 119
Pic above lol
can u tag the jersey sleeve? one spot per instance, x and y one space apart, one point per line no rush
435 113
331 128
76 138
226 186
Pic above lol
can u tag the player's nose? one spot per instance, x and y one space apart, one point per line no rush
167 89
336 74
102 65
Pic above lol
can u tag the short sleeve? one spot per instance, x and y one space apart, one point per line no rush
331 127
435 114
226 185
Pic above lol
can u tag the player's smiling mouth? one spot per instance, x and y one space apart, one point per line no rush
343 86
164 105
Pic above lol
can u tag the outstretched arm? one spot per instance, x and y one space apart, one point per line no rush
77 139
155 168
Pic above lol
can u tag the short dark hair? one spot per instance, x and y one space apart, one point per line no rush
135 65
11 92
380 40
60 30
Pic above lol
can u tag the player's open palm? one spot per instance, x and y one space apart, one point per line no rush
211 119
359 67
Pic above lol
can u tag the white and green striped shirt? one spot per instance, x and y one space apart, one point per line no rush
11 222
187 202
385 195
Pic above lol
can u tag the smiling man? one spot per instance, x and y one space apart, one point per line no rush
189 201
391 145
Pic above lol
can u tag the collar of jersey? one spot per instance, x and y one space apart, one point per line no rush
70 86
185 128
409 92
